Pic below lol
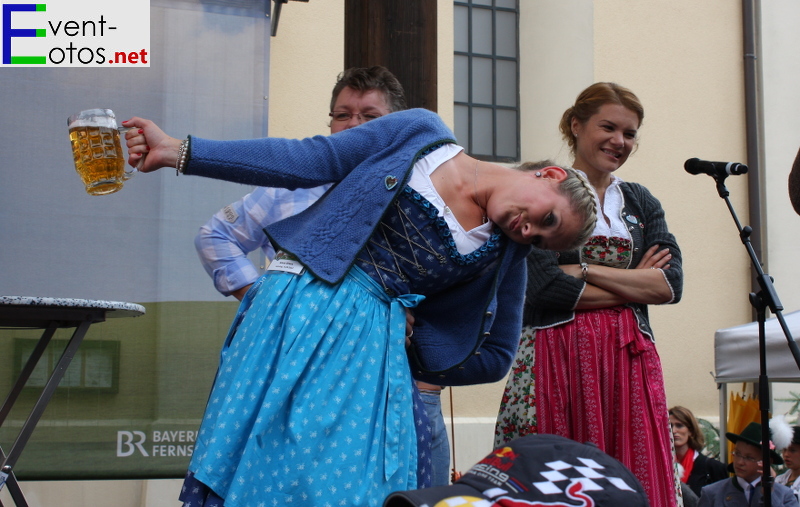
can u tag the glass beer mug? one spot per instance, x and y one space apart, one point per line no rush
97 151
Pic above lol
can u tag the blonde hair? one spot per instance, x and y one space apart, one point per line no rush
578 191
581 195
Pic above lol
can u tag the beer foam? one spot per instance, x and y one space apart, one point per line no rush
94 118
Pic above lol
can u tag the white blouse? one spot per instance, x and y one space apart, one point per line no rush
795 487
466 241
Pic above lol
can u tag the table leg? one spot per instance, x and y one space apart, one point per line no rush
49 388
27 370
7 476
13 487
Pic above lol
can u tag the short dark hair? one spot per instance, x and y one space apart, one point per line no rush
796 435
364 79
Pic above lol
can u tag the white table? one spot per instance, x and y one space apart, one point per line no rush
48 314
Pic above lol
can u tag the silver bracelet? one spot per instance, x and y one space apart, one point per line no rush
584 270
183 156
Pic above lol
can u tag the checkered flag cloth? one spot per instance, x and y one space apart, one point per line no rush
536 471
589 473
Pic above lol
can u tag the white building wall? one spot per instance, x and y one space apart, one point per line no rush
781 103
781 98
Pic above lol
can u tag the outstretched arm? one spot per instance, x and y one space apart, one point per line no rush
290 163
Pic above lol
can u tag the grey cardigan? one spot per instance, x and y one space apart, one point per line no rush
551 295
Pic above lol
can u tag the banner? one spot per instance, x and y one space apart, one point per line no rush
131 402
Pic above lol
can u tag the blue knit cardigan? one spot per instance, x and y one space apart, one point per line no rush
467 334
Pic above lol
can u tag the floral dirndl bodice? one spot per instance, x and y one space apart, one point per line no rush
412 250
611 243
612 251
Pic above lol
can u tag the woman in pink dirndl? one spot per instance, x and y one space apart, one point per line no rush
587 367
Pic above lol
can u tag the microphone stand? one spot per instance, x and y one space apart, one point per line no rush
767 297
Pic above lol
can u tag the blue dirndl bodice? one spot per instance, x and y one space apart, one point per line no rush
412 250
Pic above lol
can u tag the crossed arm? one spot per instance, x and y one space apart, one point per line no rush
657 278
607 286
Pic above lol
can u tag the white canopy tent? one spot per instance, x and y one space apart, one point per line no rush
736 359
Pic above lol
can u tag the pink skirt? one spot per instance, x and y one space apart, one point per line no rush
598 379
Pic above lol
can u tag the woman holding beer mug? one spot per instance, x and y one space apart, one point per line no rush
313 397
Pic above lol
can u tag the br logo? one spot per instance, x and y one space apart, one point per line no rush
129 441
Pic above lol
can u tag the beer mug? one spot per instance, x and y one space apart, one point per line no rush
97 151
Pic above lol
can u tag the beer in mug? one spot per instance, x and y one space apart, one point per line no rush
96 149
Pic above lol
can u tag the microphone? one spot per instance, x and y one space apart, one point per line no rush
715 169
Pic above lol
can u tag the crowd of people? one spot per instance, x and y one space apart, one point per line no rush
401 265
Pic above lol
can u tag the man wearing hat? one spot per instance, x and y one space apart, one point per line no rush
744 489
535 471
